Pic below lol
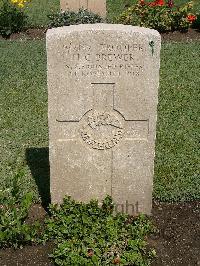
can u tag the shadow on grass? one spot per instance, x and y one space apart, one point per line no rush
38 161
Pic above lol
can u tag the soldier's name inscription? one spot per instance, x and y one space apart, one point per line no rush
103 60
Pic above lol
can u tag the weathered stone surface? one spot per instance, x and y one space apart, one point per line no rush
103 91
96 6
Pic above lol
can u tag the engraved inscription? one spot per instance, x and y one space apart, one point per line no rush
102 71
102 130
132 47
105 60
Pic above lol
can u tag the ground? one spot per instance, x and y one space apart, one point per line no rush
176 243
39 34
178 240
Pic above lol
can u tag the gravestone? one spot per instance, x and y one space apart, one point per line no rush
103 92
95 6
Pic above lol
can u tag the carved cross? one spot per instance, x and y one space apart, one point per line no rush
104 127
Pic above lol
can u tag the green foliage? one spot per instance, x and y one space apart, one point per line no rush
13 212
86 234
161 18
196 23
12 18
73 18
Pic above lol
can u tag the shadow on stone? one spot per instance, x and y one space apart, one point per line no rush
38 162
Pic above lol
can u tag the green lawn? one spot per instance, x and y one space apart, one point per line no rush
38 10
177 171
24 131
23 107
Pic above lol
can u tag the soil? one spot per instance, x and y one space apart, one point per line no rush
191 35
177 241
32 34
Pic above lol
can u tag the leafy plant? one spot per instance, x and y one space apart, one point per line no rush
67 18
86 234
196 23
12 17
13 213
159 15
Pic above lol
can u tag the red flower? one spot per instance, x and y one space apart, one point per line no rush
157 3
191 18
142 3
152 4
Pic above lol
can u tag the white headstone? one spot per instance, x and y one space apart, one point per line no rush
103 92
95 6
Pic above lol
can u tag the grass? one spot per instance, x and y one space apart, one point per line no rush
177 171
37 10
24 131
23 108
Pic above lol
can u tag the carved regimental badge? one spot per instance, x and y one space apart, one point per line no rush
102 130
